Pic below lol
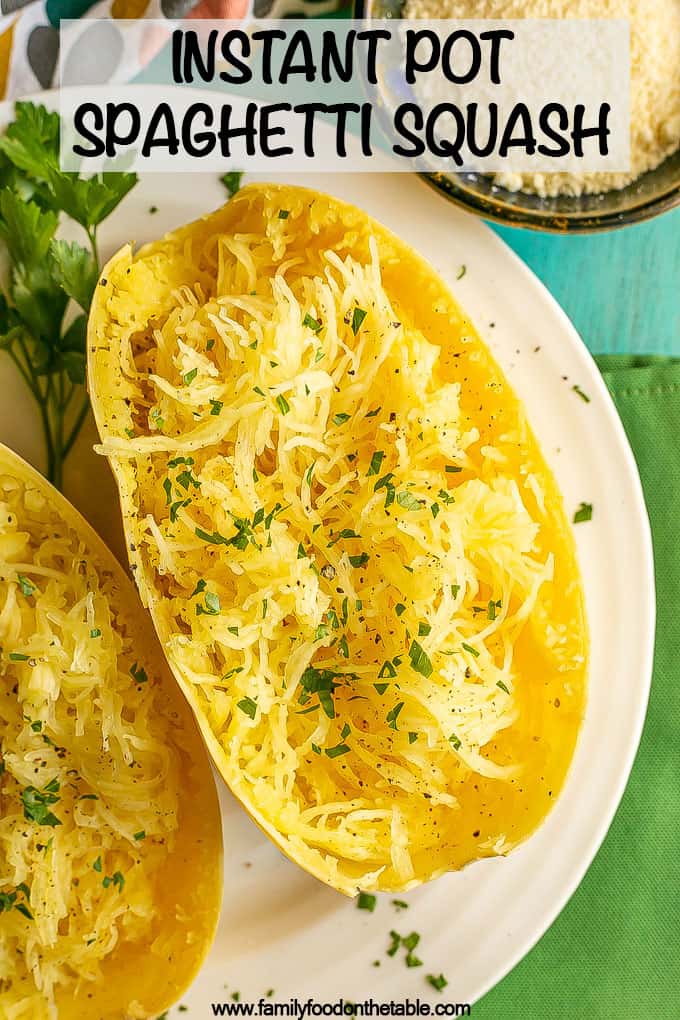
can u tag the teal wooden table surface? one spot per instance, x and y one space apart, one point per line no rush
621 289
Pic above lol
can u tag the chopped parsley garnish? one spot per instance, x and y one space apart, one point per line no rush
189 377
138 674
311 323
321 682
446 497
393 715
438 981
216 407
140 835
420 659
366 901
98 864
499 683
492 608
400 904
395 943
408 501
95 632
284 214
212 605
452 469
284 406
343 647
214 538
335 752
387 669
400 608
248 706
381 688
455 588
376 461
10 901
319 355
301 554
582 395
358 316
232 181
339 419
360 560
424 629
27 588
18 657
455 742
584 513
201 585
117 879
412 737
37 804
461 272
470 649
434 509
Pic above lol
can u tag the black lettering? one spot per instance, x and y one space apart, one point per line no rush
162 117
418 144
443 146
177 37
373 37
475 57
247 131
267 36
601 132
299 41
332 64
309 111
412 66
99 147
245 73
476 147
194 58
519 115
547 129
366 114
114 136
267 131
200 143
496 36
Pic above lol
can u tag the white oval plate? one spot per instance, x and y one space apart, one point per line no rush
283 930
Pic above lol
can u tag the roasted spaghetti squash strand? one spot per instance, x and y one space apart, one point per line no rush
93 785
346 551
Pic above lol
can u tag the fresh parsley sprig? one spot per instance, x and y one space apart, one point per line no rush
50 282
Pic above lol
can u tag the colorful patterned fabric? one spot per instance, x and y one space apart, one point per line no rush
29 32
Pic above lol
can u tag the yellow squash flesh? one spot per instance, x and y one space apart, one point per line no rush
110 832
355 556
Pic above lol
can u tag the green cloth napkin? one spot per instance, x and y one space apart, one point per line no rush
614 952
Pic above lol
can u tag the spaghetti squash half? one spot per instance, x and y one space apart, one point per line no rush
356 559
110 835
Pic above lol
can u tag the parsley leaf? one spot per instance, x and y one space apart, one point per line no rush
232 181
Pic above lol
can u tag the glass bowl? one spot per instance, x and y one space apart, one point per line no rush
654 192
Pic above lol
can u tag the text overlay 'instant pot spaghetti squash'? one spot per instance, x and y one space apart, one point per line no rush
110 837
355 556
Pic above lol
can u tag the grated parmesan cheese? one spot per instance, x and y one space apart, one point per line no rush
654 79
